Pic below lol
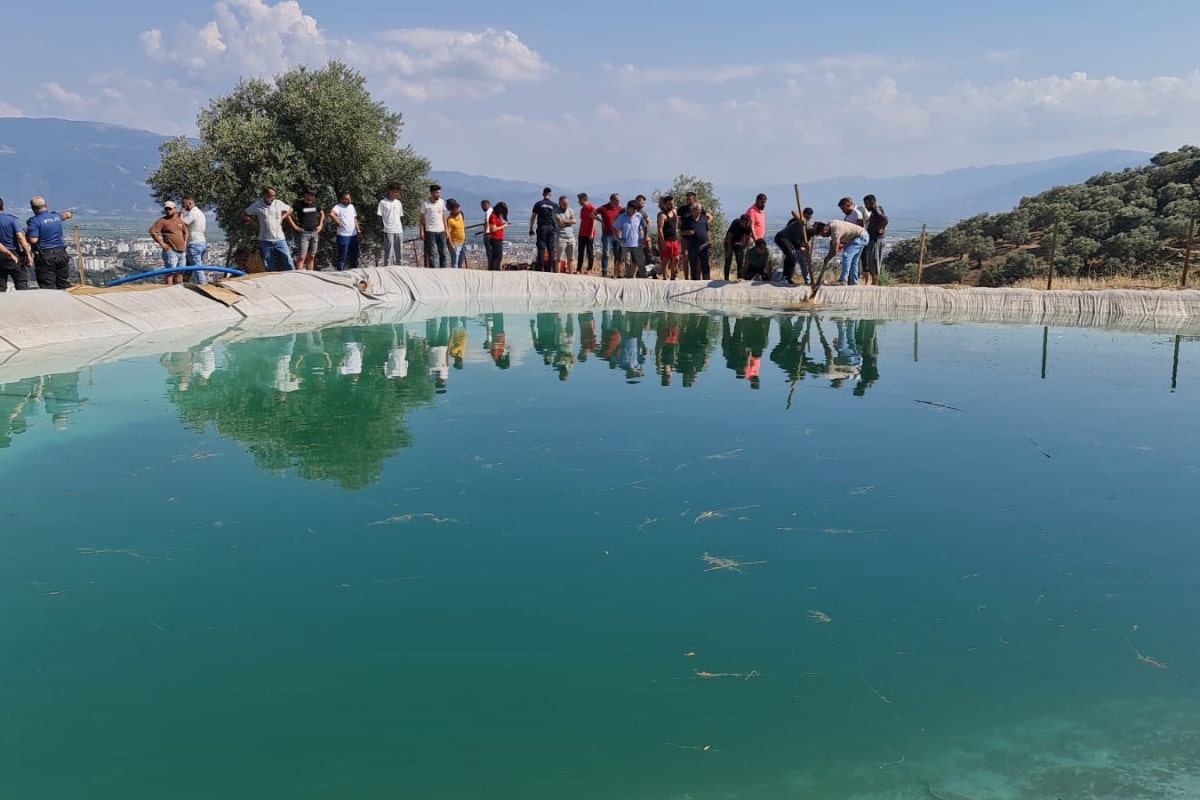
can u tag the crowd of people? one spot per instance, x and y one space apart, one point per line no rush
677 242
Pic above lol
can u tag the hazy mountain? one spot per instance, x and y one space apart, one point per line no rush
101 169
949 196
86 167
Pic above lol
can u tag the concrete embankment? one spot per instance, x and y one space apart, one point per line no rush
43 331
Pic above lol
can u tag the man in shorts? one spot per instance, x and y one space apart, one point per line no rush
565 221
872 258
307 220
668 237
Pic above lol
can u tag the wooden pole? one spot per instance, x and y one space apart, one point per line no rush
1053 255
79 259
1187 253
916 342
804 237
921 257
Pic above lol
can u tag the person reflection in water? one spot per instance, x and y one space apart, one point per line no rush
437 339
16 399
351 364
564 354
496 343
587 334
286 380
60 398
396 367
457 348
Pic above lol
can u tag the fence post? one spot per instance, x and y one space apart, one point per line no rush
1187 253
79 259
1053 255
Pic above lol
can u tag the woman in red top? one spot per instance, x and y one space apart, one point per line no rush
497 221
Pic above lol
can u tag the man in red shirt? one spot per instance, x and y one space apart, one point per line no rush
607 214
587 234
758 217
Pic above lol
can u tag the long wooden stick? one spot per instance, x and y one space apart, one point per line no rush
921 257
79 259
1053 255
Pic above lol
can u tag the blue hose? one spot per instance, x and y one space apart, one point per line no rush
171 271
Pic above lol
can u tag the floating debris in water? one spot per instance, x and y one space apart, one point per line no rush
819 617
1144 658
940 406
720 512
719 563
409 517
876 692
702 675
727 454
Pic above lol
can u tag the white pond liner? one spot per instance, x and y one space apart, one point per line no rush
46 332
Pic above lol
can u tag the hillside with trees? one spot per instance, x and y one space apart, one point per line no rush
1132 223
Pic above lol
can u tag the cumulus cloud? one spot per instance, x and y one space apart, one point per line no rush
55 95
7 110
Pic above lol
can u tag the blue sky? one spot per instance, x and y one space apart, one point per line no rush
738 94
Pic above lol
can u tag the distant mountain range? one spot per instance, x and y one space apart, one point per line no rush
98 169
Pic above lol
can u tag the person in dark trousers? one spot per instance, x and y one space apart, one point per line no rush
497 221
15 252
44 231
877 222
587 235
486 207
793 242
694 231
737 239
541 224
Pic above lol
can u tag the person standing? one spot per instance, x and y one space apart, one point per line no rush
851 212
694 230
758 218
345 216
456 234
737 239
15 252
44 233
541 226
877 222
668 237
486 207
852 238
497 221
607 214
268 214
630 227
170 233
197 244
391 217
433 226
565 221
309 215
587 234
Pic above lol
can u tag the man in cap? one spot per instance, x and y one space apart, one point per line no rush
170 233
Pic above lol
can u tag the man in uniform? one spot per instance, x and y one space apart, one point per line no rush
542 224
14 252
44 231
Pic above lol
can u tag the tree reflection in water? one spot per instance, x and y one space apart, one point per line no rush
331 404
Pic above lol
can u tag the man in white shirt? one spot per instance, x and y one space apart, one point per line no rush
346 217
853 215
391 214
197 246
268 214
433 227
564 220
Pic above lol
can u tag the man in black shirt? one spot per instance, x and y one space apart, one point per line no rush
737 238
872 258
793 241
307 219
542 220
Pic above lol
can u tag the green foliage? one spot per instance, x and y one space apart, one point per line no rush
708 198
307 127
1114 223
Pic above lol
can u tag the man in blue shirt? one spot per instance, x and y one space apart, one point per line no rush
44 230
542 224
14 252
630 227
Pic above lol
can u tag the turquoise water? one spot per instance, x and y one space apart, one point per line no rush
466 559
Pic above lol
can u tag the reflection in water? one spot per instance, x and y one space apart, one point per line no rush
288 400
331 404
57 395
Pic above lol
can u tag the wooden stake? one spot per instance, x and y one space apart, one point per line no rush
1175 365
807 247
79 259
1187 253
921 257
916 342
1045 348
1053 255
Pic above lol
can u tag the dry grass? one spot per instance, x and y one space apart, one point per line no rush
1095 284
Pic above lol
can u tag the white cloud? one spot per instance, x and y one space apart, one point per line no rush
7 110
54 94
488 56
1001 55
629 74
687 110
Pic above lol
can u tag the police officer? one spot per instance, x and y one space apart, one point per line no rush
44 230
14 252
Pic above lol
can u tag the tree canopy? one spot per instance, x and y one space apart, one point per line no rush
1131 222
306 127
708 198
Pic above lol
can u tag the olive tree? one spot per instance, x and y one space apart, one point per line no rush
306 127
